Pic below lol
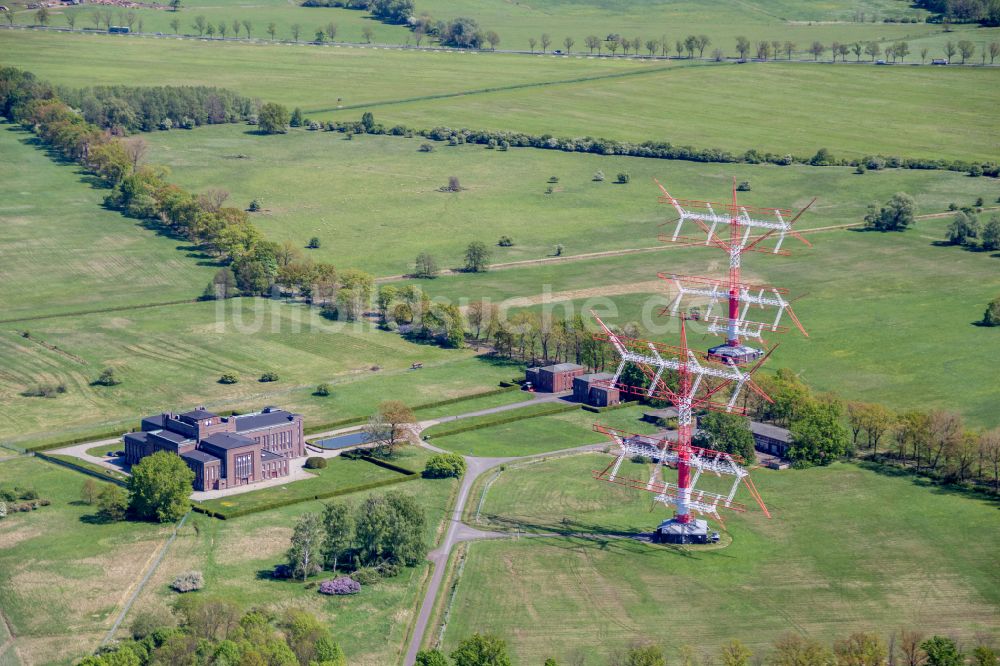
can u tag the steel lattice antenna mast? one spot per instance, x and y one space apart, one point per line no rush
692 369
721 364
748 229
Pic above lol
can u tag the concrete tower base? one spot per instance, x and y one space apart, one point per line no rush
696 531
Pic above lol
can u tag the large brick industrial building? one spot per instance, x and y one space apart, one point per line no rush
222 451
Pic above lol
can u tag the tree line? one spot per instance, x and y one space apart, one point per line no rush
464 32
505 139
863 648
129 109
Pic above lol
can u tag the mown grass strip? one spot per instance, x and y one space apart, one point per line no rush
493 89
491 420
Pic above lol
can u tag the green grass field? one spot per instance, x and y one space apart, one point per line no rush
235 555
792 108
374 201
779 104
64 252
172 357
63 578
540 434
894 565
310 77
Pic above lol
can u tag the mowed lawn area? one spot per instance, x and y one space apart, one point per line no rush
63 577
538 434
310 77
62 251
374 201
172 357
797 108
237 555
848 549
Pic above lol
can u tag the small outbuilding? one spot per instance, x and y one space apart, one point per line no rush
595 389
554 378
771 439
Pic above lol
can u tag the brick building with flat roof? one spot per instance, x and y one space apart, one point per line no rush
554 378
595 390
223 451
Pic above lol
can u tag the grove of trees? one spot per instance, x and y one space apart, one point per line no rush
370 540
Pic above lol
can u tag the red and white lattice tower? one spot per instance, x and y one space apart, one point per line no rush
750 229
712 380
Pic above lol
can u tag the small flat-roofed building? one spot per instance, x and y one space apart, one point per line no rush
222 451
554 378
770 439
595 389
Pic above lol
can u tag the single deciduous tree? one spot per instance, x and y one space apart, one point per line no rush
338 528
742 46
942 651
89 491
545 41
112 503
568 44
963 228
966 49
160 487
305 552
425 266
736 654
481 650
990 237
896 215
949 50
273 119
861 649
477 257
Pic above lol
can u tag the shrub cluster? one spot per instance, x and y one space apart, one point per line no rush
444 465
188 582
44 391
340 586
315 462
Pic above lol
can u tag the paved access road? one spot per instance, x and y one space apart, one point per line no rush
458 532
